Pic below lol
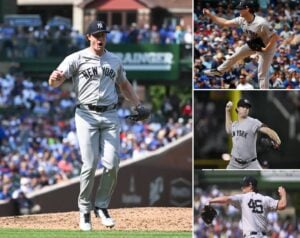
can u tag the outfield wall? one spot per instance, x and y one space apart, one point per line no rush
162 178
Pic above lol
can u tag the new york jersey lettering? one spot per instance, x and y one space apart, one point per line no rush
108 72
240 133
89 73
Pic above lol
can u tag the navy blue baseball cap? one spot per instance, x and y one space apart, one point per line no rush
244 103
244 4
96 27
249 180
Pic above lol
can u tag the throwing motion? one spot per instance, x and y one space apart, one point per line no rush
95 72
244 136
262 40
254 207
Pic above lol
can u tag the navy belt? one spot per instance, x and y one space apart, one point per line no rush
97 108
256 233
243 161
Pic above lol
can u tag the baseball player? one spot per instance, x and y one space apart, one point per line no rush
244 135
254 207
258 31
95 72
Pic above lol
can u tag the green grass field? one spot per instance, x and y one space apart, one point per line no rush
28 233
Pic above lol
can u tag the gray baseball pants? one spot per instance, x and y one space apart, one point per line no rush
98 136
264 63
233 164
258 235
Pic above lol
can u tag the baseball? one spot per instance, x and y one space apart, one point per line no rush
229 105
205 11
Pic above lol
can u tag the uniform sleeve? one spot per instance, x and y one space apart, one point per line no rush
121 74
237 21
266 31
256 125
270 203
68 66
236 200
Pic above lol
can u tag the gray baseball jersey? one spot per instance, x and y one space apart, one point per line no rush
254 208
259 27
94 77
244 135
94 80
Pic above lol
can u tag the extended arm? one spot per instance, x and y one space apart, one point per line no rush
282 201
219 20
220 200
228 121
271 133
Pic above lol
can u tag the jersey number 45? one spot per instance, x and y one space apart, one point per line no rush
256 206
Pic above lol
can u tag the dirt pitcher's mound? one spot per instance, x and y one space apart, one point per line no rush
148 218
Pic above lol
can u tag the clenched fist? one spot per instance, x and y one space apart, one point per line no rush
56 78
57 75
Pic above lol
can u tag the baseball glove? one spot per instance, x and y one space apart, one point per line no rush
208 213
141 114
256 44
268 143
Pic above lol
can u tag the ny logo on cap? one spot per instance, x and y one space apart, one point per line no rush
99 25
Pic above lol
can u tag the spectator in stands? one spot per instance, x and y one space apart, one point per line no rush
133 34
115 35
243 84
286 33
5 192
154 35
277 79
29 42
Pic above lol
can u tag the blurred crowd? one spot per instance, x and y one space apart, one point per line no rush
41 42
214 44
210 136
227 223
38 141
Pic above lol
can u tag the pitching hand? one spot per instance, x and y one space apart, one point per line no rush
206 12
278 141
229 106
263 49
281 191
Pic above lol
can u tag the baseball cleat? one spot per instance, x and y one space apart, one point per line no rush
212 72
105 217
85 221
